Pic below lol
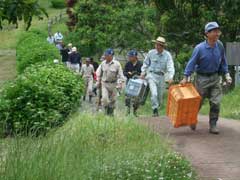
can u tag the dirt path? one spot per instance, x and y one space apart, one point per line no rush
215 157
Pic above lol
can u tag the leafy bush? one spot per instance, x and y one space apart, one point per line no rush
33 48
39 99
58 4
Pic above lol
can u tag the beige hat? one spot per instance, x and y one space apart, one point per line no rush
74 49
160 40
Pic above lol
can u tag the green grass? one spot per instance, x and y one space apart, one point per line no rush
230 106
8 38
93 147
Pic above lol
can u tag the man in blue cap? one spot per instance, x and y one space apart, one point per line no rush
209 61
157 68
132 68
108 74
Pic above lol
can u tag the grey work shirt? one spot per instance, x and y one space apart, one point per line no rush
110 72
87 71
158 63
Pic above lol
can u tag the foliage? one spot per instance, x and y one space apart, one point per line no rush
58 4
72 17
33 48
100 24
39 99
132 24
230 107
14 11
95 147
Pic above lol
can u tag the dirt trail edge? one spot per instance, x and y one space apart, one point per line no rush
214 157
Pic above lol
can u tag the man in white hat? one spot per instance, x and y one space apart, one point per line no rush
75 60
209 61
156 65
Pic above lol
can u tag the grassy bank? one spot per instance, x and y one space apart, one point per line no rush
8 38
230 107
94 147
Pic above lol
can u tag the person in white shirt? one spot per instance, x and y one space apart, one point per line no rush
50 39
58 36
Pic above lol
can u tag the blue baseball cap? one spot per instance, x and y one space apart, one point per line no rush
210 26
132 53
109 52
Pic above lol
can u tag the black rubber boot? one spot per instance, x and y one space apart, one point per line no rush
110 111
155 112
135 111
106 111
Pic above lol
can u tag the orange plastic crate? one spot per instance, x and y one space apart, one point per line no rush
183 105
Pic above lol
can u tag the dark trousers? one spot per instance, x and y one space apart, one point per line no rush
209 87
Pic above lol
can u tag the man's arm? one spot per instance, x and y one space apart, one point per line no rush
146 64
190 66
170 68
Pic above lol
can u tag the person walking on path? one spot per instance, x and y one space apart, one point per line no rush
157 67
50 39
95 66
108 73
132 68
209 61
75 60
64 54
87 71
58 37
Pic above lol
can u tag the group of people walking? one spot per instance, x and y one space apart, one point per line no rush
208 61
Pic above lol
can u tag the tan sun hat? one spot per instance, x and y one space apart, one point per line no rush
160 40
74 49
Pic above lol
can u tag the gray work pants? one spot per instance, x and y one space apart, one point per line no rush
209 87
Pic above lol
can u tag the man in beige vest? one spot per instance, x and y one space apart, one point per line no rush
87 72
108 74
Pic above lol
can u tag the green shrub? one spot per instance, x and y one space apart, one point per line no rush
58 4
39 99
33 48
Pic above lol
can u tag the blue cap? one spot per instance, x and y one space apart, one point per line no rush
210 26
132 53
109 52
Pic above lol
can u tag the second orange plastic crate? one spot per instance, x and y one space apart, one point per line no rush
183 105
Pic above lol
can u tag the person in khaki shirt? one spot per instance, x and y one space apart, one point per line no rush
87 72
108 74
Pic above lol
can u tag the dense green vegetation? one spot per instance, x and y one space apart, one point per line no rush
39 99
33 48
59 4
22 10
95 147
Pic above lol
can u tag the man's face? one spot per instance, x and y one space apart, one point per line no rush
159 47
132 59
213 34
108 58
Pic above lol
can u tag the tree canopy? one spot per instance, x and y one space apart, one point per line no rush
14 11
132 24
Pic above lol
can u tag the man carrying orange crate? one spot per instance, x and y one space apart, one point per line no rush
209 61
